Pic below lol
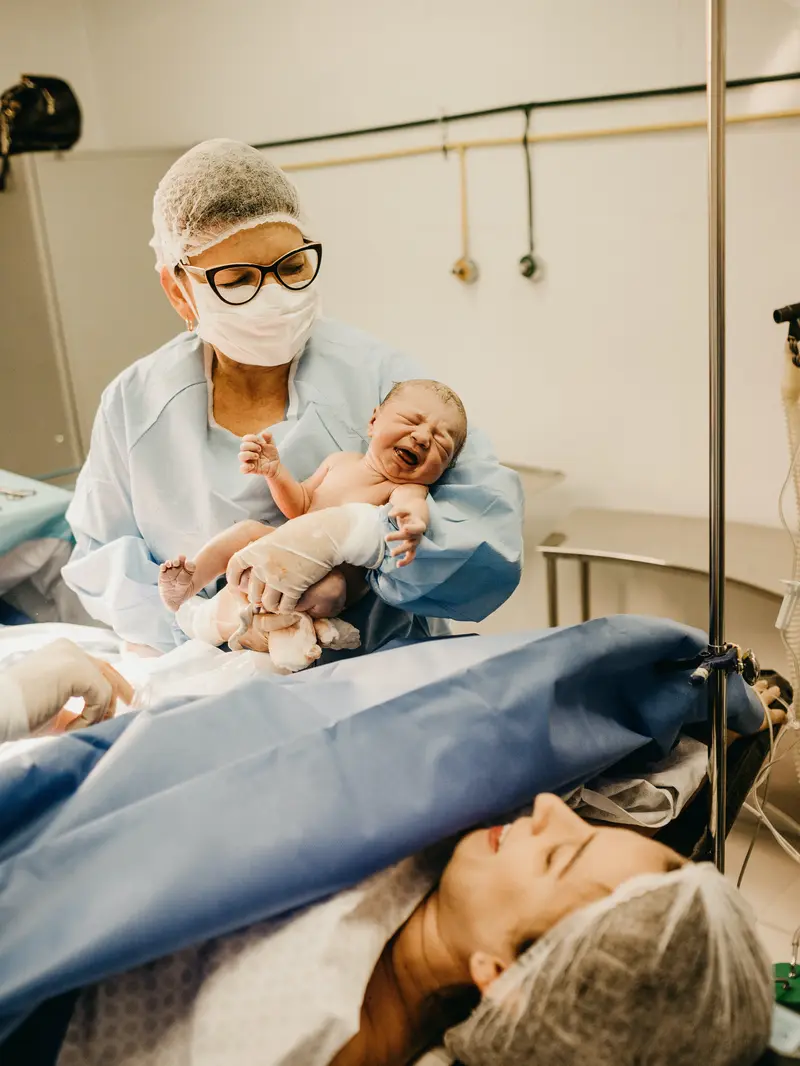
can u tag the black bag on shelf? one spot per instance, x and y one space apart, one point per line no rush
40 114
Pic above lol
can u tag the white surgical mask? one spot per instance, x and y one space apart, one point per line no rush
270 330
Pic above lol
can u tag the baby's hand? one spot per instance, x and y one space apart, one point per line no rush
410 531
258 455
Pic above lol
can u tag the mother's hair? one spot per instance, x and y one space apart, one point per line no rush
665 971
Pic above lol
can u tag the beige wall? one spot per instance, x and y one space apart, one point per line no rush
36 435
97 217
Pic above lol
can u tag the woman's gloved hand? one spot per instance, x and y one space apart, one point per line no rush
283 564
35 689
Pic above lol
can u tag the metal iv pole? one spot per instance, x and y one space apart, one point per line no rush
717 681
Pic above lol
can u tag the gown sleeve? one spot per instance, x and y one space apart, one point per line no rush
111 569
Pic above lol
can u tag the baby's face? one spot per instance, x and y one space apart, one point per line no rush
414 436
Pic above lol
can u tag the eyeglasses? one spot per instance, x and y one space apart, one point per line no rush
239 283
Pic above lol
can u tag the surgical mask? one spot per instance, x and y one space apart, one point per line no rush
270 330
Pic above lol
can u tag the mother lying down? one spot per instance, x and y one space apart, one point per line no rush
544 941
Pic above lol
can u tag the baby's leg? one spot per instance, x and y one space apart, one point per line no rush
180 579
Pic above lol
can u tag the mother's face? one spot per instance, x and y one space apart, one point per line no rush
507 886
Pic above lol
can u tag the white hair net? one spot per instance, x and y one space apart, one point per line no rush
214 190
667 971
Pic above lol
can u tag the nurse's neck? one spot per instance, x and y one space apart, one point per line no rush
247 398
257 382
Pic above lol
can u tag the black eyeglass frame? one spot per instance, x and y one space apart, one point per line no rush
209 273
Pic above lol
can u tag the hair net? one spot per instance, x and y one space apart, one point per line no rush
214 190
666 971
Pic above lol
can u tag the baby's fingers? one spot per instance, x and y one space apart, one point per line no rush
409 556
414 527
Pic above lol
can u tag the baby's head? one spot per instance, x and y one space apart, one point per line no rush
417 432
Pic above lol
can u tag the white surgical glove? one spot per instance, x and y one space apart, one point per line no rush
35 689
286 562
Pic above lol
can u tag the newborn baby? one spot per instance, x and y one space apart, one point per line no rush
415 435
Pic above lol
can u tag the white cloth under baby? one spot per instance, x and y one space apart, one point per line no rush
276 994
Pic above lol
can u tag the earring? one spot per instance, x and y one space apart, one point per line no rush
189 325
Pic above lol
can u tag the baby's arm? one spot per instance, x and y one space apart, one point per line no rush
259 455
410 508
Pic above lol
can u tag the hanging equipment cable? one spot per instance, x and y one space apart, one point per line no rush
527 264
489 112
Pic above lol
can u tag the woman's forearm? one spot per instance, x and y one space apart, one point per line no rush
356 581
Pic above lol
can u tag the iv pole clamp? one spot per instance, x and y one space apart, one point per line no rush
720 658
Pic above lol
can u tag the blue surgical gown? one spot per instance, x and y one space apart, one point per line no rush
162 478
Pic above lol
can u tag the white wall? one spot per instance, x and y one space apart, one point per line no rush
263 69
600 368
50 37
111 306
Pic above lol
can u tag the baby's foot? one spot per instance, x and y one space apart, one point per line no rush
176 582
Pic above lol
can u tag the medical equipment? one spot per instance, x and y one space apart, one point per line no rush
788 620
720 659
532 105
716 88
785 1037
528 266
790 314
465 268
788 992
603 983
